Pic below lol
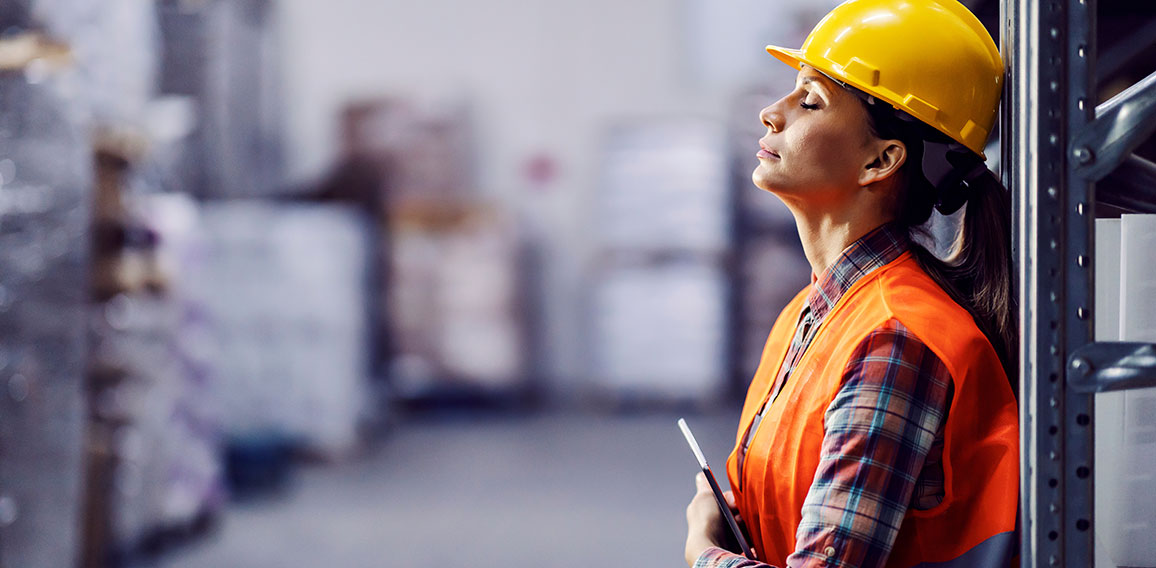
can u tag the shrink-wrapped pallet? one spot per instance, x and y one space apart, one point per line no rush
284 291
45 174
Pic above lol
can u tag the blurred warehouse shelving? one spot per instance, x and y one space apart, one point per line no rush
153 431
222 55
110 437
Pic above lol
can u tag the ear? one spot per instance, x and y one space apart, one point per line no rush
886 157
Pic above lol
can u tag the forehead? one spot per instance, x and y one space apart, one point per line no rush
809 75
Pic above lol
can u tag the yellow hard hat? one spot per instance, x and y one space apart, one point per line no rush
929 58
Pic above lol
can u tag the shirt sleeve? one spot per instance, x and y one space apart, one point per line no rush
719 558
878 431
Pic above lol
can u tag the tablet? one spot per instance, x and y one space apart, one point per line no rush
718 494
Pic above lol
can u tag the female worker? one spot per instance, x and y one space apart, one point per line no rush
880 428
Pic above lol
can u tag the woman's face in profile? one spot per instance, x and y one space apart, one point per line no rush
816 144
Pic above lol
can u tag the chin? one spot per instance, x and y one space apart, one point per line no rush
762 181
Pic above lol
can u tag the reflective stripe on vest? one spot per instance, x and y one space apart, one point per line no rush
996 551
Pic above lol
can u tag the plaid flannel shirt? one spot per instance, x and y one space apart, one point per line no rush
883 442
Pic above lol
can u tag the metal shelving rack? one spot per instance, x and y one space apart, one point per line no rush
1056 146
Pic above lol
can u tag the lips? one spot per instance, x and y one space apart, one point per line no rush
767 153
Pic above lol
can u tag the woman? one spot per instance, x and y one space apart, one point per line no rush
881 426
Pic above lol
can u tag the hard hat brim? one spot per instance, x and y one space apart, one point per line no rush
792 57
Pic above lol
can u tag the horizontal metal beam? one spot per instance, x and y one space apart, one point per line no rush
1111 366
1121 124
1131 187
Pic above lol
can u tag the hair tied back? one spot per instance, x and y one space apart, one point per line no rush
958 185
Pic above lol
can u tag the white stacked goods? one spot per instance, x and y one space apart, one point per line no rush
284 287
661 331
454 300
1125 421
190 482
664 187
659 293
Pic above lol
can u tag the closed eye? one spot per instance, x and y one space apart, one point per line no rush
809 107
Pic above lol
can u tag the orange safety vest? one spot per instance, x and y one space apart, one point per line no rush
975 525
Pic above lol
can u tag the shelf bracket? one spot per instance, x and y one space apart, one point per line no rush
1122 123
1106 366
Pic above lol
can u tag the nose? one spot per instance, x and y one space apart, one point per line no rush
772 118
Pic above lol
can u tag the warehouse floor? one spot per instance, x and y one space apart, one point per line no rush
559 490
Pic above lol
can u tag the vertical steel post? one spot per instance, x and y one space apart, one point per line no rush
1079 212
1046 46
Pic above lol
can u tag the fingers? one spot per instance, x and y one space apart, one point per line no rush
700 482
730 497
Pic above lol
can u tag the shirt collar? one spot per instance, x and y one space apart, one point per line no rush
873 250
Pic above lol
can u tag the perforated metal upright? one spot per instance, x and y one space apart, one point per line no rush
1056 145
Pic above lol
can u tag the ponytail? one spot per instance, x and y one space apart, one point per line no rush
977 272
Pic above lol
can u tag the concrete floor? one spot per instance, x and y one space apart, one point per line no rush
547 490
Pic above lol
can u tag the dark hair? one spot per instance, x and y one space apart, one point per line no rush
977 271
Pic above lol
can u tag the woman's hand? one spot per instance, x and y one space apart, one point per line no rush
704 520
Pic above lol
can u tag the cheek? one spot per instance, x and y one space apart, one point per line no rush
831 151
820 143
815 151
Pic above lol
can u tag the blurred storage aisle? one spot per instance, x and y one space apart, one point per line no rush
464 241
569 490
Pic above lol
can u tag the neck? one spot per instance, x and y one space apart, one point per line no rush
825 235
